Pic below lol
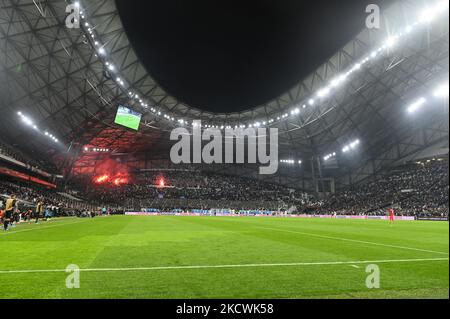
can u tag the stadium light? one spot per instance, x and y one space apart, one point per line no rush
27 120
417 105
357 66
429 14
391 41
339 80
351 146
329 156
290 161
354 144
324 92
442 91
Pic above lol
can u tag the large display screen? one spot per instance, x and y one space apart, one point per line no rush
128 118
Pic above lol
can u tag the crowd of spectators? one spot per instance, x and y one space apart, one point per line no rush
34 164
419 189
29 196
195 189
415 189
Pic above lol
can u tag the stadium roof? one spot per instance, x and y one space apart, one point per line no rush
68 82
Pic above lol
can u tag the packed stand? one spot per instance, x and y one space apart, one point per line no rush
419 190
30 195
195 189
15 154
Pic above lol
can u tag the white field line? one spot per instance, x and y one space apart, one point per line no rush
355 241
12 232
333 263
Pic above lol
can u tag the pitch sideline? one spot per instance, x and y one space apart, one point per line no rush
335 263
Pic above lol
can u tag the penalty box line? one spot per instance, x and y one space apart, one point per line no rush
355 241
335 263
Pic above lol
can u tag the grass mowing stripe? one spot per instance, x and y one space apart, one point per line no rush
355 241
332 263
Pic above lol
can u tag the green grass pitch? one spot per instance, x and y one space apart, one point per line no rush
224 257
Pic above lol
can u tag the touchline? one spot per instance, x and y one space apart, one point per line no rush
262 147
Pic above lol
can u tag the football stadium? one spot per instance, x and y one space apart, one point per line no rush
254 150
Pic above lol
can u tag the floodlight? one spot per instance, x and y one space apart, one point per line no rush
323 92
442 91
391 41
415 106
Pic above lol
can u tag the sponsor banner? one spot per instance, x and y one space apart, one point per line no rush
403 218
310 216
433 219
354 217
351 217
142 214
407 218
162 214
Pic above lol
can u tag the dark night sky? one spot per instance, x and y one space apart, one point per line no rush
232 55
